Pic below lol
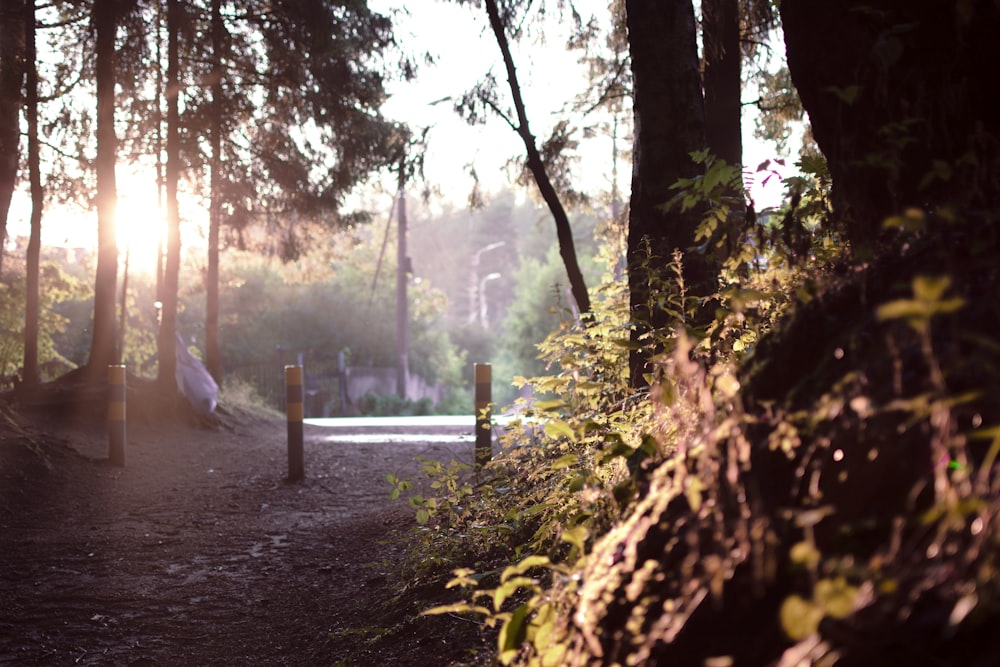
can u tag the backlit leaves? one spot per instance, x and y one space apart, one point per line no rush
928 300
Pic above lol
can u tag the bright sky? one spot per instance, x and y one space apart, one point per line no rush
550 76
459 39
465 50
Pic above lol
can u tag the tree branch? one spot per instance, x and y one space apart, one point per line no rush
537 167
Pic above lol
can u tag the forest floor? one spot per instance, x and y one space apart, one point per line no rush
199 552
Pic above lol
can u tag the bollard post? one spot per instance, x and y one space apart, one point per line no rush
116 415
484 426
294 398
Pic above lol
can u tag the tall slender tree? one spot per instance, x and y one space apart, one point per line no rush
31 375
104 15
167 335
12 69
213 358
669 120
259 92
536 165
721 76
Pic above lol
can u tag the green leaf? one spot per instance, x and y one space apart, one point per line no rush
423 516
564 462
457 608
509 587
532 510
524 565
836 597
799 617
912 220
558 428
540 629
929 288
693 492
463 577
901 309
576 537
805 554
513 634
626 343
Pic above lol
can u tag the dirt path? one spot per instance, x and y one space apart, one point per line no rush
198 552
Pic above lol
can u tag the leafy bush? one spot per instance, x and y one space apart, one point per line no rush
382 405
807 480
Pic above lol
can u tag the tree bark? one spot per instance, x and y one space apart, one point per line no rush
12 67
102 346
213 359
564 232
32 260
720 20
900 94
669 124
167 339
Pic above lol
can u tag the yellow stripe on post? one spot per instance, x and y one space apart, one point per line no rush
484 422
116 415
295 410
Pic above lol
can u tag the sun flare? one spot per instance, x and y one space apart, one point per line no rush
139 222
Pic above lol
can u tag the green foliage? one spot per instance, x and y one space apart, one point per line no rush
538 308
56 287
779 106
864 490
927 302
270 312
381 405
720 192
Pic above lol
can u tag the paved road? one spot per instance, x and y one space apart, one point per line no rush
433 428
435 421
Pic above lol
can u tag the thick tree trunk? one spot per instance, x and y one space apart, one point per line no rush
900 94
102 345
213 359
12 65
720 20
669 124
167 339
32 307
564 232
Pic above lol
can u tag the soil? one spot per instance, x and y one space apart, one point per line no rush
199 552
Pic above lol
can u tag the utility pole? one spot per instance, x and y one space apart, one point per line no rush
402 271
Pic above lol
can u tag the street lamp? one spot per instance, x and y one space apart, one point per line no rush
482 298
475 293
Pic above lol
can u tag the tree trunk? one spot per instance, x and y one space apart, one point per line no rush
12 66
158 142
213 359
900 95
102 345
669 124
720 20
564 232
167 339
32 307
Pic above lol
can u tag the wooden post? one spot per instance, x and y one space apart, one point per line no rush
116 415
484 426
294 398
